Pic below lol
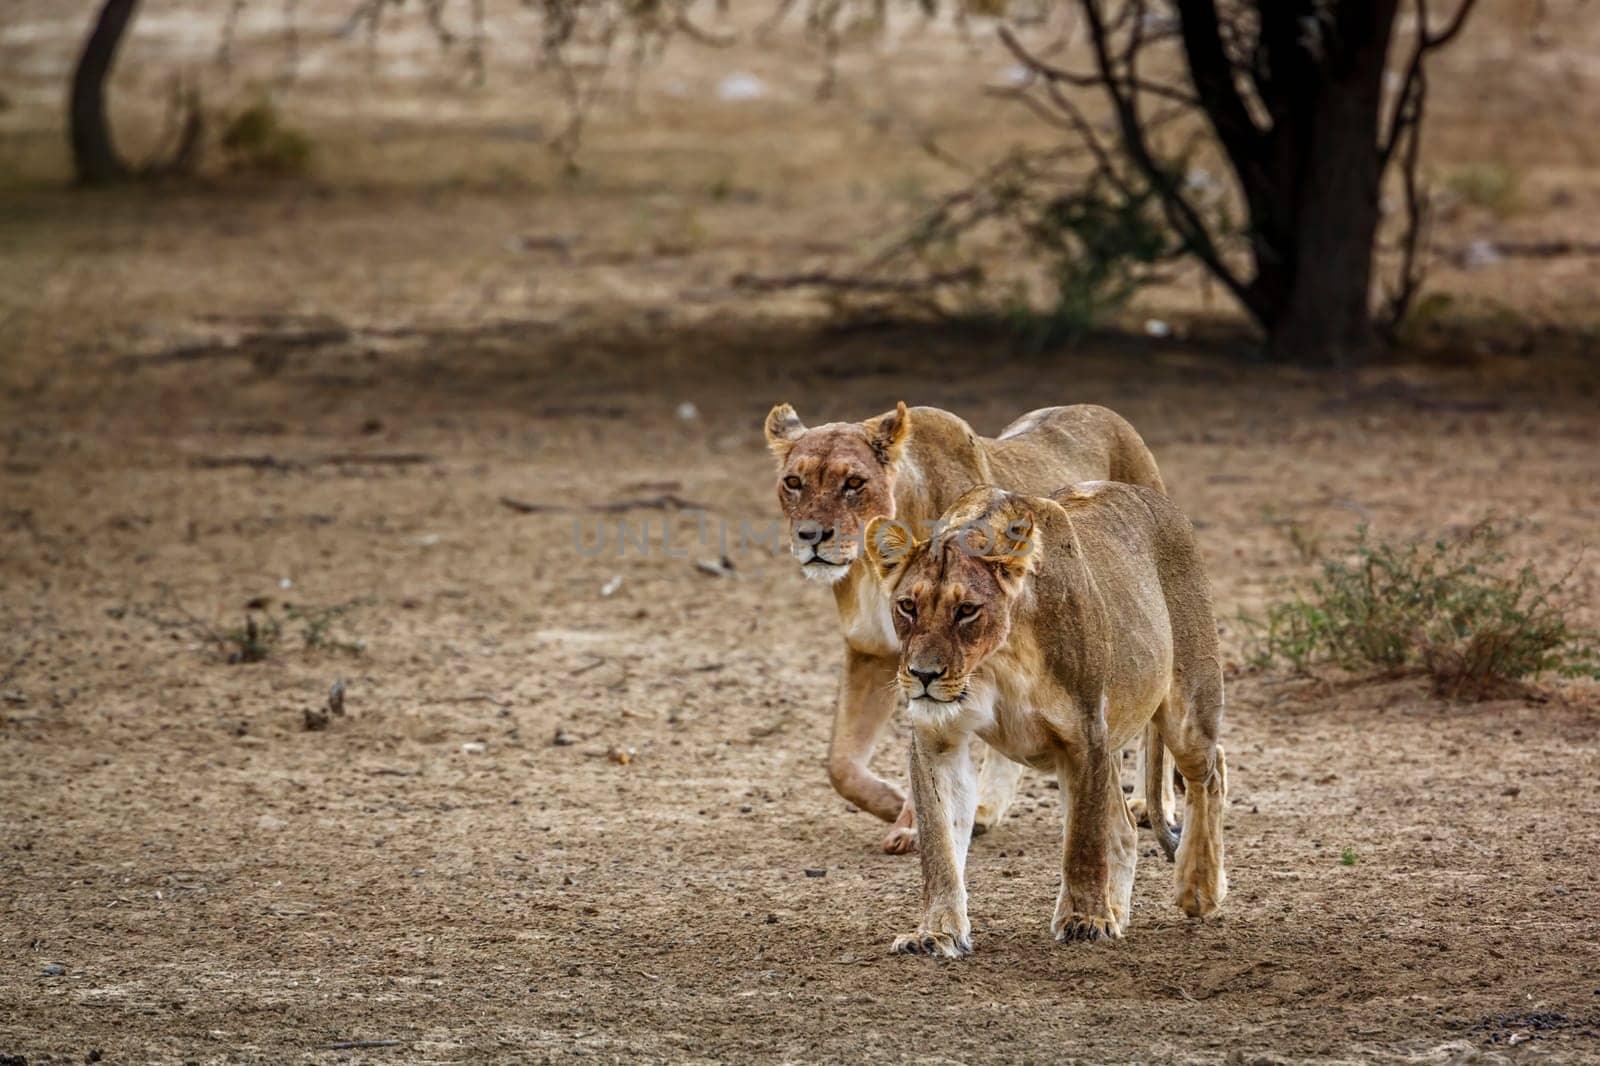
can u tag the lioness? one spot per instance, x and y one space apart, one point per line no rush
911 465
1057 630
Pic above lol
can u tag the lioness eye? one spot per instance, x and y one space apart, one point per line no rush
792 482
855 483
966 610
907 607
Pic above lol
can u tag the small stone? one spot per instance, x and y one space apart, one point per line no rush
562 739
816 873
1481 253
722 567
474 747
741 86
53 969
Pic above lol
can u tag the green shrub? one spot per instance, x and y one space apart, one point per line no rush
1491 186
317 626
252 642
264 628
256 140
1035 223
1451 609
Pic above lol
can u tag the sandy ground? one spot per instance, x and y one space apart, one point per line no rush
319 394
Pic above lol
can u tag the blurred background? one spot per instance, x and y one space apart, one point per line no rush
331 329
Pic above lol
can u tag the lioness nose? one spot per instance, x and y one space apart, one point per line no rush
814 533
927 677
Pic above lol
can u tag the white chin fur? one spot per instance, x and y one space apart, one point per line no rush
933 712
827 573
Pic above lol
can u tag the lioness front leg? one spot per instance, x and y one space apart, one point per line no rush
944 790
868 697
1093 904
902 838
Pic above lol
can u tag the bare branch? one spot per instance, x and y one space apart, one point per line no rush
1181 214
1408 103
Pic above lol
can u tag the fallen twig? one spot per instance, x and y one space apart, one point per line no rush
579 410
667 501
357 1045
1551 249
250 345
855 283
272 462
467 699
522 507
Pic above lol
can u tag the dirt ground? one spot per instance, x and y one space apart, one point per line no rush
559 821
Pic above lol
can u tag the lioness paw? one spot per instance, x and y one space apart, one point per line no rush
1200 900
937 945
902 840
1087 927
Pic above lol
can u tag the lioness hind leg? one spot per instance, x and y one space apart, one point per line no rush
1152 759
1201 877
1188 722
1122 856
1157 780
997 786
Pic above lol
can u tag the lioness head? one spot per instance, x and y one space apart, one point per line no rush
952 595
832 480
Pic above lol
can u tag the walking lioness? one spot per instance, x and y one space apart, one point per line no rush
1058 630
911 465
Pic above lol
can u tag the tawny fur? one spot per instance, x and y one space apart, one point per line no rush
1058 631
912 464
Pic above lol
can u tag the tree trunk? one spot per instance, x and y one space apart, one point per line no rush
94 156
1324 311
1311 174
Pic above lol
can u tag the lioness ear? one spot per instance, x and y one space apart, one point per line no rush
783 429
888 433
888 545
1016 549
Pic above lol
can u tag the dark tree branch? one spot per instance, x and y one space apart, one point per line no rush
1404 137
1408 106
1213 74
1181 214
94 154
1409 281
